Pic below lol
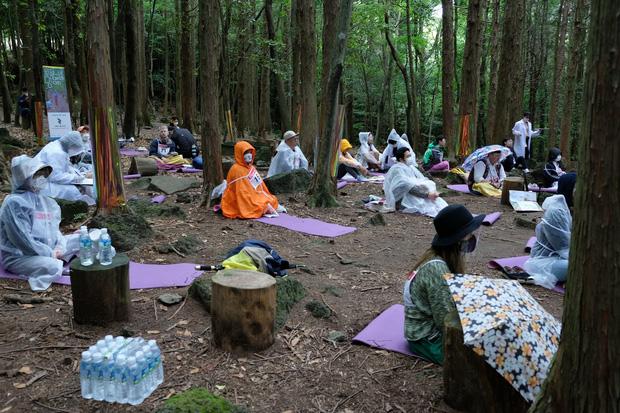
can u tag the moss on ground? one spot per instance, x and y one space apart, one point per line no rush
318 309
186 244
72 211
148 209
127 229
199 400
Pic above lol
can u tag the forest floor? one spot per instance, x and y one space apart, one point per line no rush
302 371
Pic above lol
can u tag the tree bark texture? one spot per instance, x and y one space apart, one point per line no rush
447 74
414 129
470 77
510 65
337 15
211 141
143 117
309 132
573 75
283 107
494 45
4 87
584 374
558 71
188 82
102 115
71 72
131 57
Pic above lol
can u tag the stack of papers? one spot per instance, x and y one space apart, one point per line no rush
523 201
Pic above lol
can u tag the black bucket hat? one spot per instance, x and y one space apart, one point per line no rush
453 223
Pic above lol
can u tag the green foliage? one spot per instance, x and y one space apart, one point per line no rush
199 400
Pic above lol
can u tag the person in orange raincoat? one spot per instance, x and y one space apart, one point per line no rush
246 195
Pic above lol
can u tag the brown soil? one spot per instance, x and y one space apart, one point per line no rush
302 372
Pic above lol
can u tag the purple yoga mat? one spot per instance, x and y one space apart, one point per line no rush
190 170
459 188
142 275
307 225
134 176
537 189
386 331
530 244
341 184
491 218
168 167
133 152
518 262
158 199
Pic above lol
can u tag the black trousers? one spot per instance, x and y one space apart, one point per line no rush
344 169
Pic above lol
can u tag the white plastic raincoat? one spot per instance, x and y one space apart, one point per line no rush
29 229
406 183
367 150
65 175
552 241
388 156
287 159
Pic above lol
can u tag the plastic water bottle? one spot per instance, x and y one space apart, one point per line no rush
108 379
159 367
86 247
121 375
105 248
134 394
98 389
150 380
86 370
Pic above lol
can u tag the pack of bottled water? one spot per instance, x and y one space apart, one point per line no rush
98 238
121 370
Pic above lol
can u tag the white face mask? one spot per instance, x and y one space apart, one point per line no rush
559 158
409 161
85 137
247 158
39 183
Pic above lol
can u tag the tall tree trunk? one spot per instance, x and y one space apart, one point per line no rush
37 66
573 76
81 62
494 45
25 34
295 29
583 377
143 116
510 65
120 70
166 72
7 105
447 74
385 114
283 108
470 77
178 16
336 18
71 72
403 70
306 12
188 89
106 158
131 44
209 43
149 43
558 70
414 129
113 45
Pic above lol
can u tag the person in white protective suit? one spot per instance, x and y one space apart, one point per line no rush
407 190
288 155
368 155
30 240
548 262
388 157
63 156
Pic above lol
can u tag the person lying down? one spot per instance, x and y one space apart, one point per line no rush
407 190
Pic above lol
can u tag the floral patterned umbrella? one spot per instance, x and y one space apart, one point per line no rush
506 326
481 153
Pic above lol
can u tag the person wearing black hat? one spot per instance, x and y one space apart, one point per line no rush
426 294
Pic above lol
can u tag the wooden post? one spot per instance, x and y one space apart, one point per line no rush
143 166
101 292
243 310
514 183
470 383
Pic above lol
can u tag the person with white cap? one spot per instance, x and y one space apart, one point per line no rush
64 155
288 155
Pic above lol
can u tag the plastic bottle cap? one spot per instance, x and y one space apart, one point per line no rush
87 355
139 355
152 343
131 361
109 338
98 357
104 231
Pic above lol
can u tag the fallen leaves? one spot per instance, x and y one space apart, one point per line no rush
37 376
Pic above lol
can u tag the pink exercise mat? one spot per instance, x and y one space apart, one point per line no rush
491 218
519 262
530 244
459 188
387 331
141 276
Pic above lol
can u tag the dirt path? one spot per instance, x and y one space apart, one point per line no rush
302 372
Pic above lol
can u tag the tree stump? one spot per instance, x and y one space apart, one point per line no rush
470 383
243 309
101 292
143 166
513 183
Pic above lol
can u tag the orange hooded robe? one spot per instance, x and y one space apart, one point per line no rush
246 195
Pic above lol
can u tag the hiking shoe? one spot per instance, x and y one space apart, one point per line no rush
362 179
